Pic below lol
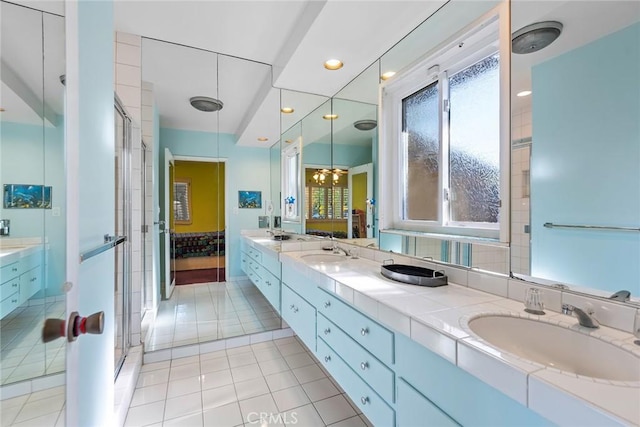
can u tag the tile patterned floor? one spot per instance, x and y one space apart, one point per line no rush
23 355
271 383
40 409
210 311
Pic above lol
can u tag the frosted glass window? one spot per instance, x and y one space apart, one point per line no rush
474 142
421 133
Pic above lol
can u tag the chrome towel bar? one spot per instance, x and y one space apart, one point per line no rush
109 242
591 227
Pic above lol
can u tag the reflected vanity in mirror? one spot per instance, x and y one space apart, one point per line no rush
32 248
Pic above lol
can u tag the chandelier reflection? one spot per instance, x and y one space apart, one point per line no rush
321 175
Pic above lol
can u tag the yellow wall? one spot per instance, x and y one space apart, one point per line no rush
207 195
359 191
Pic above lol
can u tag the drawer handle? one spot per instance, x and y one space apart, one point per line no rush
33 279
327 331
364 331
14 285
14 269
295 309
364 400
14 300
268 283
327 304
327 359
364 365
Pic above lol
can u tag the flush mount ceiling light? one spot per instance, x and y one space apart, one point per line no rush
388 75
366 124
536 36
333 64
263 139
524 93
287 110
205 103
330 116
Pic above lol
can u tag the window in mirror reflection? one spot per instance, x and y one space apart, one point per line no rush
326 202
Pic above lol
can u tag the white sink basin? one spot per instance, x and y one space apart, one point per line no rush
558 347
323 258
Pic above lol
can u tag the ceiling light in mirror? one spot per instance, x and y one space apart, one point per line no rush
287 110
366 124
330 116
333 64
523 93
206 104
387 75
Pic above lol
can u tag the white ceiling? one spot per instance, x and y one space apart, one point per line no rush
291 38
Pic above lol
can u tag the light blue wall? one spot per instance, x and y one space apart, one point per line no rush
26 159
247 168
585 163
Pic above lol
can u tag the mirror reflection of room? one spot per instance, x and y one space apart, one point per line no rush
32 237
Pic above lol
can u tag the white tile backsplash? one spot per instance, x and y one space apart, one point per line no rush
489 283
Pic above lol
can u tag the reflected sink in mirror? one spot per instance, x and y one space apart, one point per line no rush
558 347
323 258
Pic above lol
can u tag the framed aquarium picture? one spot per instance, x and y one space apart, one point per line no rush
250 199
26 196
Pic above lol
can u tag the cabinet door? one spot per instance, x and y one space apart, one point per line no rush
413 409
300 315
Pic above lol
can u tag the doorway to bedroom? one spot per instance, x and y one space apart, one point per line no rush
199 221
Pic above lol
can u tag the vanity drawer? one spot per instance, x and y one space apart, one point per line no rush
255 266
414 409
372 405
9 304
9 287
300 315
255 254
370 369
371 335
301 284
244 262
10 271
271 289
31 261
253 276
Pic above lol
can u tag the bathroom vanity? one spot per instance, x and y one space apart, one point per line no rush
20 275
406 355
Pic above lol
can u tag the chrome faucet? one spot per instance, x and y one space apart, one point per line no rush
337 249
585 318
621 296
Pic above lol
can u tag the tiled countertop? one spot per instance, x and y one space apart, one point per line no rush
12 250
437 318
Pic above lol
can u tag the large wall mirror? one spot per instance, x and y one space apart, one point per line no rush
576 145
32 240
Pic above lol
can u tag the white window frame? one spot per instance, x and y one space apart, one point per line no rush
291 183
480 39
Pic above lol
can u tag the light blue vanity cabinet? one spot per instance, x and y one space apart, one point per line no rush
263 269
370 403
377 339
443 388
20 280
414 409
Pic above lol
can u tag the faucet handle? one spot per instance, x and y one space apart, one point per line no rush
567 309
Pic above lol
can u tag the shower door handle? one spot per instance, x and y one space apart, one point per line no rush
77 325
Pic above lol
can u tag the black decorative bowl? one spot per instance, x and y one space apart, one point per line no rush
414 275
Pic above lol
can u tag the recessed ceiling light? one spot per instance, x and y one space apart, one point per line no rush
524 93
263 139
330 116
333 64
388 75
287 110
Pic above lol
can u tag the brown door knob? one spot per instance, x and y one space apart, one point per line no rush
53 329
79 325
